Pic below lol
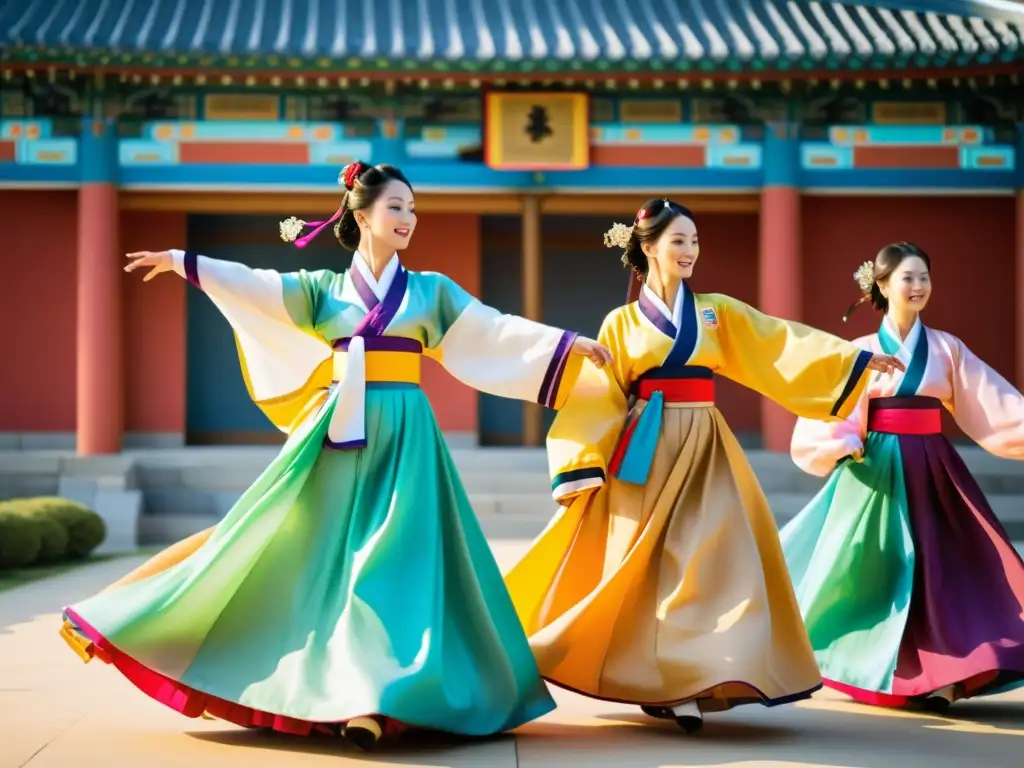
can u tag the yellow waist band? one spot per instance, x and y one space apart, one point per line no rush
403 367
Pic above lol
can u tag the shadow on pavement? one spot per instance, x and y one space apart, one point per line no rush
413 749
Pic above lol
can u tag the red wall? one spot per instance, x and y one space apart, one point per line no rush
154 328
38 394
37 388
38 313
970 240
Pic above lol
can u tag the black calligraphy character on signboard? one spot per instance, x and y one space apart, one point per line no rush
538 126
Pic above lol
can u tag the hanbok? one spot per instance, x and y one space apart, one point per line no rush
906 579
352 578
661 580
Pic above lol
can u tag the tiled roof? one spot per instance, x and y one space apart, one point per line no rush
517 35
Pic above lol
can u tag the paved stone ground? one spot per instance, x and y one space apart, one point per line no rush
56 712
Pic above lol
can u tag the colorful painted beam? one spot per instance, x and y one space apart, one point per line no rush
199 154
672 146
444 142
31 142
908 147
614 145
241 142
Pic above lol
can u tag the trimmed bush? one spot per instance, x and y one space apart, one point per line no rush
54 539
85 529
21 540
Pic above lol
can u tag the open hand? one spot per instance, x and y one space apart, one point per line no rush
886 364
159 261
590 349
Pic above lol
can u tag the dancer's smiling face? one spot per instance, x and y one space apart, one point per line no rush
676 250
391 220
909 286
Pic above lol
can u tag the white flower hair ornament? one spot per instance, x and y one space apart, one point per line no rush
291 228
618 236
865 276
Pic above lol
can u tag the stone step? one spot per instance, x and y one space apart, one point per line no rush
518 516
503 483
776 474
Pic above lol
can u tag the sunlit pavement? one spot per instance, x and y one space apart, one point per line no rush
56 712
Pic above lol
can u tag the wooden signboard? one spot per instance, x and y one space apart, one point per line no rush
536 131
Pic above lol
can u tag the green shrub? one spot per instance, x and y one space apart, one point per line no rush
85 529
21 540
54 539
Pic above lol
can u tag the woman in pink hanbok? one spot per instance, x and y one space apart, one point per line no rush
911 591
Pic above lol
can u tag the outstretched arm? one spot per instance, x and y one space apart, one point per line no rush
818 446
507 355
809 372
985 405
284 361
583 435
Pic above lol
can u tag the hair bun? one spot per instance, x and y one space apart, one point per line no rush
350 173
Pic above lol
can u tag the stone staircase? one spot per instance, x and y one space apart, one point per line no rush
106 484
161 495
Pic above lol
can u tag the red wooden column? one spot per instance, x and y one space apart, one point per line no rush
99 388
780 283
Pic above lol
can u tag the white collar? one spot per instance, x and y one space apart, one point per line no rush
676 315
906 346
379 287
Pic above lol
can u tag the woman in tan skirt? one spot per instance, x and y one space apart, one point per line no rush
661 581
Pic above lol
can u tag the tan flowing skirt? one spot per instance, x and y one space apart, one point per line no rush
672 591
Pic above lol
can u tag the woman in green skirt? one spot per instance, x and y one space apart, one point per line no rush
350 590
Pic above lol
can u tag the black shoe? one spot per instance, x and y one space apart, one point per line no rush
363 733
689 723
937 704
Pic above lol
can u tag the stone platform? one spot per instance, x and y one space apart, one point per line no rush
58 713
159 495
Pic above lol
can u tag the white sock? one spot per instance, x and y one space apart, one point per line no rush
687 709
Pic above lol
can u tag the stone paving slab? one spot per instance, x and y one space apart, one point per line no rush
60 713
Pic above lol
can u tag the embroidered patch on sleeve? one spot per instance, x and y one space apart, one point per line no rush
709 317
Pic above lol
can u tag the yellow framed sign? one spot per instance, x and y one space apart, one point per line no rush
536 131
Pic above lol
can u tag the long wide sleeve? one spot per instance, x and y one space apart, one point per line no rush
987 407
284 362
584 433
809 372
818 446
501 354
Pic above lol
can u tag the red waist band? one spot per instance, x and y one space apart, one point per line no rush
678 390
905 421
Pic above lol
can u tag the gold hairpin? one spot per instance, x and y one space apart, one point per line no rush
865 276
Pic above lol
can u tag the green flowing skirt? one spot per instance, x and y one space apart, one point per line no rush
850 554
342 583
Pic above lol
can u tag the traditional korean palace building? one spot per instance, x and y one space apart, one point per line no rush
803 134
